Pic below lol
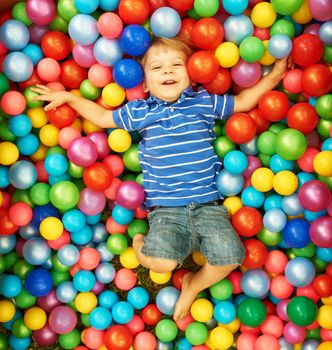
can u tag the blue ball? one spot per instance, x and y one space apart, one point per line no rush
7 243
4 178
20 125
105 273
310 344
93 219
183 344
255 283
324 254
325 33
134 40
28 144
237 28
56 164
229 184
235 162
273 201
84 6
43 211
279 46
82 236
300 272
107 298
83 29
138 297
304 177
122 312
327 145
278 163
39 282
274 220
312 216
166 299
28 231
296 233
14 35
224 312
10 286
107 51
22 174
252 198
128 73
84 280
73 220
34 52
165 22
36 251
122 215
66 292
291 205
17 66
100 318
109 5
68 255
235 7
19 343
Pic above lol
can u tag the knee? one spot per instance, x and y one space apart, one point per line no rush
161 265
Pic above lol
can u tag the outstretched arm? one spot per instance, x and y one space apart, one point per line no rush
248 98
89 110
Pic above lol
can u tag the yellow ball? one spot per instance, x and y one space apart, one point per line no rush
267 59
1 198
233 204
51 228
324 317
233 326
327 300
48 135
323 163
113 95
160 278
199 259
262 179
7 310
119 140
221 338
37 116
85 302
40 154
303 14
227 54
326 345
202 310
77 123
9 153
263 15
128 259
89 127
285 182
35 318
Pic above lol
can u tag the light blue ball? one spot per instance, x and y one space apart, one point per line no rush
284 345
327 145
28 231
73 220
237 28
109 5
138 297
99 233
14 35
224 312
105 254
28 144
166 299
312 216
7 243
278 163
20 125
34 52
22 174
52 180
310 344
36 251
4 178
235 7
300 272
165 346
122 312
273 201
66 292
82 236
325 33
19 343
107 51
83 29
107 298
86 6
279 46
68 255
93 219
105 273
250 148
165 22
324 254
84 280
235 162
100 318
252 198
304 177
255 283
56 164
10 286
122 215
291 205
17 66
183 344
274 220
229 184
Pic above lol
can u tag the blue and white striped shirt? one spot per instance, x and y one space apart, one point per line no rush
176 154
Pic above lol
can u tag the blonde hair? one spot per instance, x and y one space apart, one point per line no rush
176 43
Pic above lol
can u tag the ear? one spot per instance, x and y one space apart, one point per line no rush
145 89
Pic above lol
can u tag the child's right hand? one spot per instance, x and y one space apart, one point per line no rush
55 97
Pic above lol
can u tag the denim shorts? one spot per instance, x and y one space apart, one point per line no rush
176 232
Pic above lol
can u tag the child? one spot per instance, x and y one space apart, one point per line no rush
178 163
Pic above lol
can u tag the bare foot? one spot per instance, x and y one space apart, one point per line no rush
186 298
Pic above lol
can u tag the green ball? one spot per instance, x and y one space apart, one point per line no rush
137 226
266 142
131 160
327 54
221 290
324 106
59 24
313 333
302 311
3 342
88 90
251 312
286 7
56 150
29 95
75 171
308 251
25 300
326 179
139 179
59 277
39 193
20 330
11 259
283 26
21 268
166 330
290 144
206 8
117 243
4 84
269 238
193 14
277 127
70 340
67 9
85 320
323 127
251 49
222 145
265 159
196 333
22 196
320 265
2 264
5 133
19 12
57 265
64 195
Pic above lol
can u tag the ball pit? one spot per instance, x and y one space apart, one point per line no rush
71 194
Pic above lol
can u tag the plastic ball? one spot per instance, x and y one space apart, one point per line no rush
280 46
39 282
107 51
110 25
307 50
165 22
207 33
122 312
251 312
118 337
68 255
35 318
41 12
314 195
36 251
202 67
224 312
14 35
201 310
246 74
320 9
88 35
166 330
85 302
285 182
263 15
100 318
127 73
138 297
286 8
82 152
227 54
13 103
322 163
290 144
300 272
229 184
251 49
145 340
62 319
221 338
237 28
17 66
134 40
302 311
166 299
125 279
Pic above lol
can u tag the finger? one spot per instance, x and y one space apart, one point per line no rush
50 106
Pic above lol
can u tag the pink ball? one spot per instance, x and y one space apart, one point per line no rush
20 214
83 55
93 338
45 336
276 262
272 325
314 195
49 301
100 75
136 325
281 309
145 341
293 81
130 195
294 334
321 9
246 74
91 202
82 152
41 11
98 288
125 279
100 139
329 208
200 347
136 93
56 85
267 341
67 135
312 29
246 341
184 322
62 319
48 69
110 25
253 164
321 232
37 31
13 102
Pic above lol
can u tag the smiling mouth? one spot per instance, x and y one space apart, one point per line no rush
169 82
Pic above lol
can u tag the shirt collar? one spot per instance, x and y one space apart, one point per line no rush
189 91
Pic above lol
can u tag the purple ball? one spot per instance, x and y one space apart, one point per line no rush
37 32
130 195
100 139
44 336
253 164
294 334
321 9
314 195
41 11
82 152
49 301
321 232
91 202
83 55
62 319
246 74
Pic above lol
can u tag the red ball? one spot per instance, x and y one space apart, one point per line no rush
178 277
240 128
72 74
235 278
133 11
293 81
280 288
303 117
110 192
305 162
202 67
6 226
256 254
308 291
151 314
56 45
180 6
113 227
207 33
118 337
221 83
187 25
322 285
307 49
61 116
20 214
156 4
317 80
247 221
114 164
261 123
97 177
42 174
274 105
276 262
33 80
89 258
56 244
13 102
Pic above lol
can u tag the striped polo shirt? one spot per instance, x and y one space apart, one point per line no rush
176 154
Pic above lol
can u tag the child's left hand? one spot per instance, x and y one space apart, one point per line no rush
281 66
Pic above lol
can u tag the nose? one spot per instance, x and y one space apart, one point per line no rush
168 69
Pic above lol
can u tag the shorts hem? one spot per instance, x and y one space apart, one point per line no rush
161 255
225 262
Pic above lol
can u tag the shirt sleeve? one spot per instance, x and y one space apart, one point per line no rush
131 116
223 105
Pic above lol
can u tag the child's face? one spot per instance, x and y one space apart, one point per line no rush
166 75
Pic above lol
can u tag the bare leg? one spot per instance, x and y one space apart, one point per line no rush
159 265
194 282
